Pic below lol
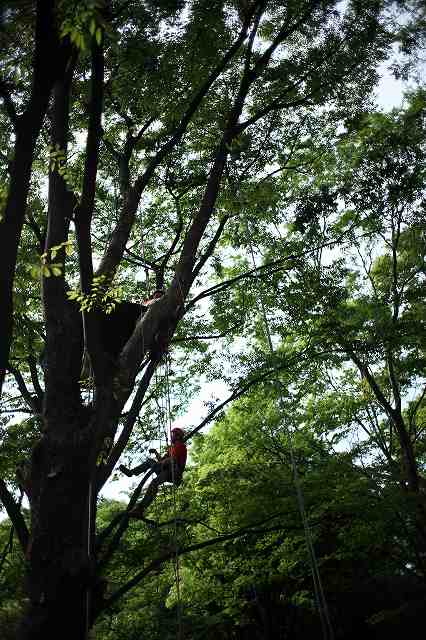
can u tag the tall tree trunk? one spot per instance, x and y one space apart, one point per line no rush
59 570
409 464
50 59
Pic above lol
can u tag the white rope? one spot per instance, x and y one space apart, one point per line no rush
90 488
175 529
320 599
145 267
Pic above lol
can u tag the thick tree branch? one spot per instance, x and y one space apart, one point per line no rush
59 201
171 306
34 377
63 365
50 59
84 213
14 514
253 32
121 233
408 456
168 310
9 104
366 373
394 381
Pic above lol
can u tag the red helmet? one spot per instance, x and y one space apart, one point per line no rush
176 431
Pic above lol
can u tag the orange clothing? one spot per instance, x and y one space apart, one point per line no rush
178 452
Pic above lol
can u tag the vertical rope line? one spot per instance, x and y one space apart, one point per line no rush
145 263
320 598
90 487
89 553
175 530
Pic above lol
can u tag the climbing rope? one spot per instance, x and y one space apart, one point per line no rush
176 565
164 427
320 599
145 266
91 396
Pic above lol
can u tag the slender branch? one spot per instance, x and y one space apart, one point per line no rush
413 411
158 562
122 519
211 247
144 128
41 237
159 272
7 548
396 233
178 522
129 122
375 425
274 265
375 437
24 389
278 104
285 31
14 514
146 264
103 535
131 418
211 337
34 377
275 105
421 429
393 380
14 411
111 148
237 393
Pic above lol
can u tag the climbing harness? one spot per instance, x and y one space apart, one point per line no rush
320 599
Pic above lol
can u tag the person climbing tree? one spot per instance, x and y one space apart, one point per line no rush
158 293
168 468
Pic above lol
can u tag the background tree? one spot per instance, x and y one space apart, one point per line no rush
367 307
